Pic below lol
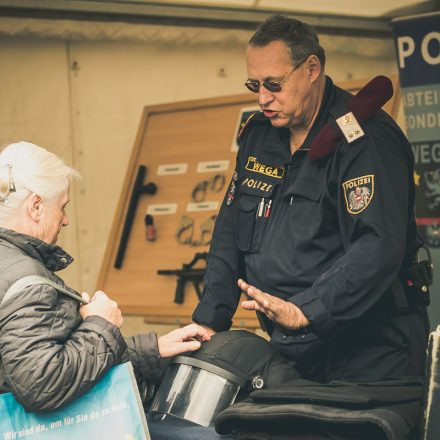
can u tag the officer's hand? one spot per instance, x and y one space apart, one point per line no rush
181 340
101 305
276 309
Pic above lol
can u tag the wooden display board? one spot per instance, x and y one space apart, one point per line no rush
181 145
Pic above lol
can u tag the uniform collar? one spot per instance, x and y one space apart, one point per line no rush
52 256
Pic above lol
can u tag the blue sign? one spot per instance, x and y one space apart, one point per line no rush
417 42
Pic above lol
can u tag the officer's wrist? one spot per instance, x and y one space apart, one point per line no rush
299 319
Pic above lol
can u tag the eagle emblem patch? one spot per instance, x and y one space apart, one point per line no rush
358 193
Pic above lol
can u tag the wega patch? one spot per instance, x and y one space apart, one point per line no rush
254 165
358 193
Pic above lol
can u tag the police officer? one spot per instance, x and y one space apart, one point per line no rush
318 233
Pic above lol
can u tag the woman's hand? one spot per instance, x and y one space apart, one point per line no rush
181 340
101 305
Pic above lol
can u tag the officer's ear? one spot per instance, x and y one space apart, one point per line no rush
313 68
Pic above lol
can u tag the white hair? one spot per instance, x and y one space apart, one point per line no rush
26 168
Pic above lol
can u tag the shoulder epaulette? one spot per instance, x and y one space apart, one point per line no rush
253 119
364 105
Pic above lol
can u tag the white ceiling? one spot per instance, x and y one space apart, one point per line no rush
369 8
362 18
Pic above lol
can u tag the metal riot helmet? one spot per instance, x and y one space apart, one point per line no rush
198 386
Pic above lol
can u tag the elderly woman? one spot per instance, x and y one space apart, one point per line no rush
53 347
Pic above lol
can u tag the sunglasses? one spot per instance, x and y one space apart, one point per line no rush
271 86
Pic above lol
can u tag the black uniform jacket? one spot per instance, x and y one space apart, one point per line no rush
329 235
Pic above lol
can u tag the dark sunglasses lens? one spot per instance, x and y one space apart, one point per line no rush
252 86
271 86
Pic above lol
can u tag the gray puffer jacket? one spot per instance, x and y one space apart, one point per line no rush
49 355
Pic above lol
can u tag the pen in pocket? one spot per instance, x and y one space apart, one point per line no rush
268 208
260 209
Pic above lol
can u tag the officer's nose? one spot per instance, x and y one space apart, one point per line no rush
264 96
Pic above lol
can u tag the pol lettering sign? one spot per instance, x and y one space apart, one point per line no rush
417 41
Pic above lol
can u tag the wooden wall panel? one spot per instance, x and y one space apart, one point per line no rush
188 132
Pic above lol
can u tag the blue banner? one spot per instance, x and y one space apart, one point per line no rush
110 410
417 42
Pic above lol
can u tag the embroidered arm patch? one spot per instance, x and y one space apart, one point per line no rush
358 193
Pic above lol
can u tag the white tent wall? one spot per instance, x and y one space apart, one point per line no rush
35 106
78 89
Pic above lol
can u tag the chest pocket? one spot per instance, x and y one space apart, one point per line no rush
306 213
304 189
252 223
